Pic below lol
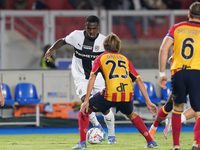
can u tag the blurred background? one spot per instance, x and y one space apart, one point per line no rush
28 26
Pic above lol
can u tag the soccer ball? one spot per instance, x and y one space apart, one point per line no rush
94 136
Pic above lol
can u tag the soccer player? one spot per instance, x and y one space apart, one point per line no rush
164 111
88 44
185 71
2 100
119 74
162 114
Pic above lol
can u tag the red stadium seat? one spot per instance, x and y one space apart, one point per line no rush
55 4
67 5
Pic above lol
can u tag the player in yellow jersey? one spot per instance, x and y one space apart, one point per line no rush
164 111
118 73
185 71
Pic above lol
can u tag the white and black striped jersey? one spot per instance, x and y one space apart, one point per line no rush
85 52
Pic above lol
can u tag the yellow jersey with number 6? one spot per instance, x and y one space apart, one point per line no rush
186 48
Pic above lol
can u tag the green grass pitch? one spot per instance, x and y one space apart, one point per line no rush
125 141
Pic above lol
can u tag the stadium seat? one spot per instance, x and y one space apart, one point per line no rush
165 92
7 95
150 90
25 93
55 5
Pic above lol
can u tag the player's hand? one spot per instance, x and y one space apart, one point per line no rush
163 81
48 54
152 108
84 107
2 100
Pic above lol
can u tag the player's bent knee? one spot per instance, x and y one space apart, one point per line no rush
132 116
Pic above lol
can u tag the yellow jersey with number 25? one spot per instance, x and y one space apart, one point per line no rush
118 73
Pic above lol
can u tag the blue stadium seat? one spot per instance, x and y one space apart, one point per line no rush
25 93
166 92
6 94
150 90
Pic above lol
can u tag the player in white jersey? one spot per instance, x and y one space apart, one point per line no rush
88 44
85 52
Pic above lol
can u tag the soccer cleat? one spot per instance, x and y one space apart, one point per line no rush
152 132
105 137
112 140
152 144
176 148
81 146
195 148
167 128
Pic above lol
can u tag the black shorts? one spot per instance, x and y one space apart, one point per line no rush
99 104
186 82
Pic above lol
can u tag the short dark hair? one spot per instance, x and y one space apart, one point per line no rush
112 43
195 10
92 18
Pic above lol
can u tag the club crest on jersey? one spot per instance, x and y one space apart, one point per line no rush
80 92
96 47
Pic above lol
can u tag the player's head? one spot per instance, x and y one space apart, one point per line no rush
194 10
92 26
112 43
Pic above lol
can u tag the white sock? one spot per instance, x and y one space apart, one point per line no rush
110 121
183 119
93 119
153 127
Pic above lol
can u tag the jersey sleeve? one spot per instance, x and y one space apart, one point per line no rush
70 38
132 72
171 31
96 66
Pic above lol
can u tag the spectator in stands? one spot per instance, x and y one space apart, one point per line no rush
139 5
156 5
81 4
20 4
171 4
37 5
122 5
2 4
50 64
96 4
67 5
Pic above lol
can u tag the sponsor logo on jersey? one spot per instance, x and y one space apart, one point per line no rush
87 47
121 88
96 47
80 54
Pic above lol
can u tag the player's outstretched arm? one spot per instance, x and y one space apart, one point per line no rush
151 107
162 57
59 43
85 105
